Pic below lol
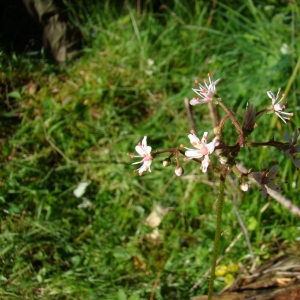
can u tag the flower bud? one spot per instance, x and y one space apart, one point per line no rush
244 186
223 159
166 162
249 119
217 131
179 171
216 141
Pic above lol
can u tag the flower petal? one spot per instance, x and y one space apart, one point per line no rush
263 191
273 172
146 166
193 154
282 118
204 138
272 96
138 162
194 140
296 162
287 138
297 148
257 176
144 142
216 142
205 164
196 101
217 81
140 150
288 153
211 147
271 185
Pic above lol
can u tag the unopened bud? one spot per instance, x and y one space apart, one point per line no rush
249 119
244 186
217 131
223 159
216 141
166 162
179 171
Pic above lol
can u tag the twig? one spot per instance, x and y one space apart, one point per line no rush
217 233
231 116
155 285
214 114
190 115
244 228
288 204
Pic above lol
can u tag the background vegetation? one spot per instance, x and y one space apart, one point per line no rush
62 125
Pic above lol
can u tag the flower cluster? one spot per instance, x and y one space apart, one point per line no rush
277 108
206 91
202 149
144 151
228 151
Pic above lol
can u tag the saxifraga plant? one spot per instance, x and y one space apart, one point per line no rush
227 154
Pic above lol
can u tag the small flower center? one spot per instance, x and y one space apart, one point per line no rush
203 150
147 158
265 180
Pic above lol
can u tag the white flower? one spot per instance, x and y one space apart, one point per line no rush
206 91
265 177
202 149
244 186
278 108
293 148
144 151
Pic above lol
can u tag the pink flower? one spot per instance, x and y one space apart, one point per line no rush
144 151
179 171
293 148
202 149
206 91
278 108
265 179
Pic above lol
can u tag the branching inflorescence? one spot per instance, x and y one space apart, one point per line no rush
227 154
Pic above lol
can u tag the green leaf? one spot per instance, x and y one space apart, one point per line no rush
121 295
134 297
252 223
14 94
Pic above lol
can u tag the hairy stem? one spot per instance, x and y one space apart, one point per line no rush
217 233
232 118
171 150
270 143
222 123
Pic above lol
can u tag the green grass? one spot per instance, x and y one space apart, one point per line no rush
83 119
